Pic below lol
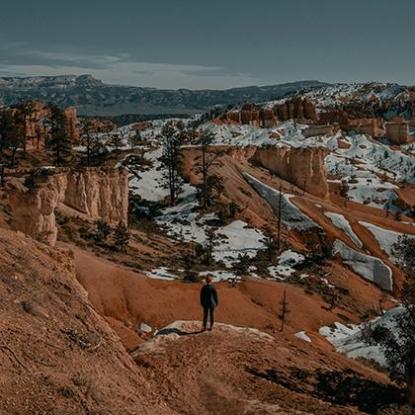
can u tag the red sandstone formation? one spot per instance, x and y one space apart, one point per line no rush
257 115
316 130
36 128
397 131
303 167
302 109
89 193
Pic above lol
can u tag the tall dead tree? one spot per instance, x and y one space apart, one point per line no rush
87 139
171 161
283 310
280 213
59 141
209 182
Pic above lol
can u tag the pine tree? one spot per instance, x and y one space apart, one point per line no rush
283 310
280 215
26 110
103 230
59 141
397 338
7 131
242 265
135 139
209 183
116 141
87 139
121 237
171 161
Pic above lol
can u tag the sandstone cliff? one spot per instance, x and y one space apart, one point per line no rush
91 193
303 167
36 129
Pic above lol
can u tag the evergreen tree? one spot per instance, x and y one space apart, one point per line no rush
171 161
283 310
103 230
12 134
116 141
121 237
87 139
397 338
59 141
209 183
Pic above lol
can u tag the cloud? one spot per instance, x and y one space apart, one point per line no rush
121 69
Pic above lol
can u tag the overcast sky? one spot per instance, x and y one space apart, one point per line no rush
211 43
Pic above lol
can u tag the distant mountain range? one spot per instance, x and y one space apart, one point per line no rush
93 97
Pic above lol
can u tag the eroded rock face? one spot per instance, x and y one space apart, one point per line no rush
397 131
295 109
33 212
259 116
303 167
36 129
93 193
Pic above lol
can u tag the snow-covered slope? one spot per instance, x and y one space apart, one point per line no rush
348 339
368 267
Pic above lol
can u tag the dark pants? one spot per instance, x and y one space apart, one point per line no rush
208 312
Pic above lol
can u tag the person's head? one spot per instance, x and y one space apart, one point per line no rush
208 279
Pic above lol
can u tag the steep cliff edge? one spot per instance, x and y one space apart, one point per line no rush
303 167
57 354
91 193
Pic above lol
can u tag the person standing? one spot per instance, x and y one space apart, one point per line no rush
208 301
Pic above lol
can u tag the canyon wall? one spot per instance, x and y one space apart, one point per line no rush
303 167
92 193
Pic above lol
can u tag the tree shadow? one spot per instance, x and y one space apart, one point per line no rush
348 388
174 330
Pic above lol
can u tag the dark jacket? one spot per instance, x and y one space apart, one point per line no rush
208 296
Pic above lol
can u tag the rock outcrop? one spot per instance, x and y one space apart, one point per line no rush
35 119
302 109
260 116
91 193
303 167
397 131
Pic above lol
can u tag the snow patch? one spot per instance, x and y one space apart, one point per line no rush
339 221
292 217
368 267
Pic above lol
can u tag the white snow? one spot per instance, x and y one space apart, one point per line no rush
339 221
303 336
370 268
219 275
348 340
385 238
161 273
286 263
236 239
150 185
292 217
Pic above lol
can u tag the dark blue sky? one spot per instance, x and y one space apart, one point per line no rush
211 43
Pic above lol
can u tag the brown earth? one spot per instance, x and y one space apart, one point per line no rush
58 356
